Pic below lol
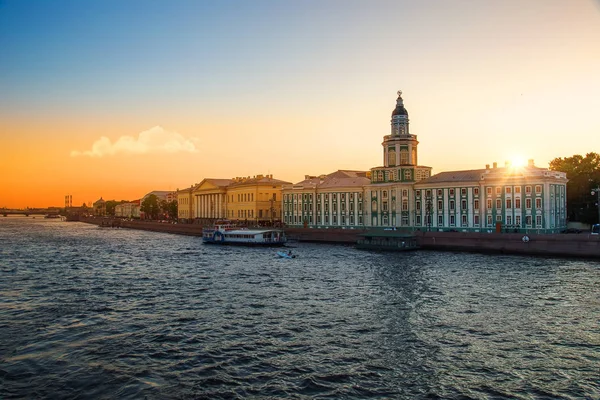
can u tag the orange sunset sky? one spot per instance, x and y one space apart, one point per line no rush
114 99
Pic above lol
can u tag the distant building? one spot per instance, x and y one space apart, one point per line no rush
128 210
99 207
403 194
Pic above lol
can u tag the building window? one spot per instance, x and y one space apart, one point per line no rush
517 203
538 189
528 220
440 205
451 191
418 205
508 203
508 190
452 220
538 221
538 203
464 220
498 203
498 218
407 174
498 191
428 193
509 220
528 204
440 220
404 193
439 192
489 191
476 220
528 189
403 157
489 203
490 221
385 194
463 205
463 191
451 204
517 189
404 205
518 220
476 204
334 219
476 191
385 206
418 220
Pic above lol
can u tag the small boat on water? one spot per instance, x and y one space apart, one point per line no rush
286 254
226 232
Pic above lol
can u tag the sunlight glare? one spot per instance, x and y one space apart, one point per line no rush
518 161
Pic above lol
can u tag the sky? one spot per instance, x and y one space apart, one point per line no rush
114 99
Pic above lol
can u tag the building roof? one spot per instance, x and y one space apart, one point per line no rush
218 182
257 180
344 178
454 176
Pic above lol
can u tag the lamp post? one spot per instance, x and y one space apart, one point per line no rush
596 192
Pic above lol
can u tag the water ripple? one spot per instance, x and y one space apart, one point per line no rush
87 312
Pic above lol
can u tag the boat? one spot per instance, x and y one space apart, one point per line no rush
284 254
227 233
52 216
387 240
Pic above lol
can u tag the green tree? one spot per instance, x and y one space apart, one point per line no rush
150 206
111 204
584 175
170 209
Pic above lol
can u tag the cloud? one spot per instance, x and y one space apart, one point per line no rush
153 140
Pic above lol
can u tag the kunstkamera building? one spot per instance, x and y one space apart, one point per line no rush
403 194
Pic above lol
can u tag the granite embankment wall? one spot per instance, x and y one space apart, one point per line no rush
563 245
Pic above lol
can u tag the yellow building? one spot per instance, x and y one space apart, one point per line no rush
185 204
255 200
209 199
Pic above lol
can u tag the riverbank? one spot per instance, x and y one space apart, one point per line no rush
581 245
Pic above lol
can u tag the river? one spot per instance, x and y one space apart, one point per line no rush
90 312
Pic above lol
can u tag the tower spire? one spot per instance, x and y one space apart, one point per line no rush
399 122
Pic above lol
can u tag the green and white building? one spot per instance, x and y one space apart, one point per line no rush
402 194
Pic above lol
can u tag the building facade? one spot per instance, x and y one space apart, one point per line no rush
402 194
256 199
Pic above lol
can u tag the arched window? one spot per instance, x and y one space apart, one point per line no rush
392 158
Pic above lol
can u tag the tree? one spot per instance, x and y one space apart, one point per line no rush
584 175
171 209
150 206
111 204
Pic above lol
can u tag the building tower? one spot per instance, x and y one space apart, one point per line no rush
400 147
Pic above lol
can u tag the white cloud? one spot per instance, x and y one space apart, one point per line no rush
153 140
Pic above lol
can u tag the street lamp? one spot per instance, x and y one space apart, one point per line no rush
595 192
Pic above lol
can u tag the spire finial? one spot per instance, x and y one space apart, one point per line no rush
399 93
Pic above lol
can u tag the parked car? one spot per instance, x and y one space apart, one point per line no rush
595 229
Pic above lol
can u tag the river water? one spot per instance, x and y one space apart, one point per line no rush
89 312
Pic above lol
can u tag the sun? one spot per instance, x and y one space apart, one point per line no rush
518 161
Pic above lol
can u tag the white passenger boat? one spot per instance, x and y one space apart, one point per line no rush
225 232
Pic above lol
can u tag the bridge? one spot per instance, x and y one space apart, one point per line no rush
29 211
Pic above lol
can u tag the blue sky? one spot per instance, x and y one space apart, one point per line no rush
295 88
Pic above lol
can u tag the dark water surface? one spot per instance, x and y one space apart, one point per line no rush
88 312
